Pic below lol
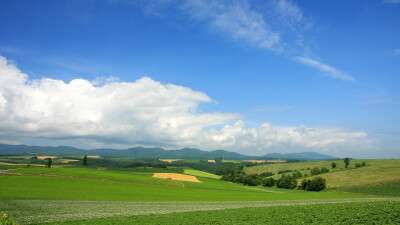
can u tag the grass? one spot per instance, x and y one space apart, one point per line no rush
201 174
386 189
92 185
279 212
377 171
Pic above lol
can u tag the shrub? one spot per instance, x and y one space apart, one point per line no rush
315 171
297 174
316 184
333 165
363 164
267 174
287 182
324 170
251 180
268 182
284 171
357 165
6 220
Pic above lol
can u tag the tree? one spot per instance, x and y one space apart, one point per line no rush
333 165
49 163
346 162
268 182
287 182
363 164
85 160
316 184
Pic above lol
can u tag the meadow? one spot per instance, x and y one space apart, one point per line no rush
98 195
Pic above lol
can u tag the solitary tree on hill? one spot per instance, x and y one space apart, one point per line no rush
85 160
49 163
346 162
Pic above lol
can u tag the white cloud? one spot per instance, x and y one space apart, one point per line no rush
235 19
330 71
144 112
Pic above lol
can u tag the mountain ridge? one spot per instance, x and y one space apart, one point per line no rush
156 152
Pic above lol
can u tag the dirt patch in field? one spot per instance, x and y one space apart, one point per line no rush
68 160
46 157
170 160
176 176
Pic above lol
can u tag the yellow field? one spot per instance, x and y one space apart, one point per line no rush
170 160
211 160
276 161
254 161
46 157
68 160
93 156
176 176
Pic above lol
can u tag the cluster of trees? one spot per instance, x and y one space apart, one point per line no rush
316 170
316 184
236 175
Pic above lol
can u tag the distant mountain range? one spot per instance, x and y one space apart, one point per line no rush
140 152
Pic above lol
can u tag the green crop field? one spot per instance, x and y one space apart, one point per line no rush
201 174
338 213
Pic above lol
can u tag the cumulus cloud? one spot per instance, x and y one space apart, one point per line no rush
329 70
144 112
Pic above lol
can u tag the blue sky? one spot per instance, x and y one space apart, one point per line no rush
246 76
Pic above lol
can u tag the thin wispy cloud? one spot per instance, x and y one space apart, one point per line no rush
235 19
329 70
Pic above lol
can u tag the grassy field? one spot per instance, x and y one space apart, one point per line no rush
37 194
378 174
201 174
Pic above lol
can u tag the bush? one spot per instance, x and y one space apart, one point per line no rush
363 164
316 184
268 182
251 180
6 220
284 171
357 165
297 174
333 165
315 171
267 174
287 182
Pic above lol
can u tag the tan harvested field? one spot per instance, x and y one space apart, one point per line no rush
176 176
68 160
276 161
46 157
170 160
93 156
254 161
211 160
